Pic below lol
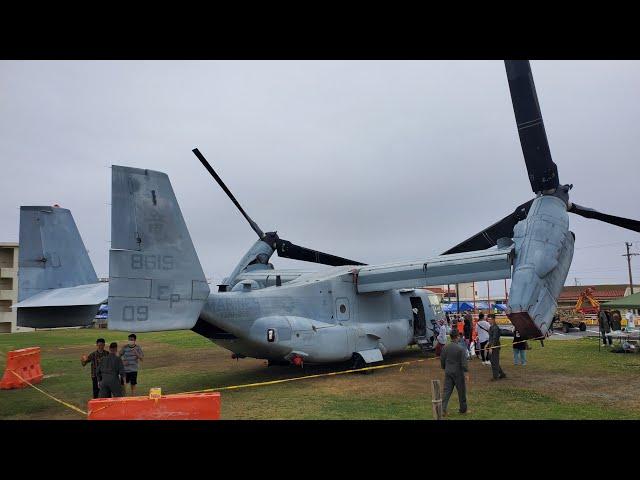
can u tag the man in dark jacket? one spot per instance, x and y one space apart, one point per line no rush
519 349
109 372
95 358
494 348
468 328
616 320
603 322
453 360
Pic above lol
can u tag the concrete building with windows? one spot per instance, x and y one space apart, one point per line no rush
9 287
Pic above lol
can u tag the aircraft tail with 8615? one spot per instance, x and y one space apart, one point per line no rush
156 281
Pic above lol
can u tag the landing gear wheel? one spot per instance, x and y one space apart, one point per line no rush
566 328
358 363
582 326
279 363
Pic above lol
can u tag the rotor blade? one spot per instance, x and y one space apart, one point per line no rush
543 172
286 249
210 169
627 223
489 236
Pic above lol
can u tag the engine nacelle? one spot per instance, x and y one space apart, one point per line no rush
543 254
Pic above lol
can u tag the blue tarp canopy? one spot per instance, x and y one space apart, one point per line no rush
467 306
485 306
453 307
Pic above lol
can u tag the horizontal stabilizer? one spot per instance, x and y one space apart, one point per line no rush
90 294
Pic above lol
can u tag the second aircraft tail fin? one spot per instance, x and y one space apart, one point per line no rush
57 284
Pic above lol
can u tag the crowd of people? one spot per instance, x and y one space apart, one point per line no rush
112 370
471 338
475 336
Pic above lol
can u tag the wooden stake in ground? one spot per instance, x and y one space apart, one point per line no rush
436 399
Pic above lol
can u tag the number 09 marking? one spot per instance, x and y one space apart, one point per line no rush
131 313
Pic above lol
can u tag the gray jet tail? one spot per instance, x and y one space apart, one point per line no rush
57 284
156 281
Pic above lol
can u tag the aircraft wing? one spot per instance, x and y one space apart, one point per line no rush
475 266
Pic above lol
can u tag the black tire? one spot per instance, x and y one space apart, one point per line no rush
566 328
358 363
582 326
278 363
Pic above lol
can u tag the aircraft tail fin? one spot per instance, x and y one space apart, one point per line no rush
52 260
156 281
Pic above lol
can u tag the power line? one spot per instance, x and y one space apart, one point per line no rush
597 245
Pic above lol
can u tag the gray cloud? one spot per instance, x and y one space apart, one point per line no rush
376 161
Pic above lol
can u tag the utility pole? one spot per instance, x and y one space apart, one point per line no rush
473 288
629 255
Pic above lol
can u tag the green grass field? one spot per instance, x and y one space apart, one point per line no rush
568 379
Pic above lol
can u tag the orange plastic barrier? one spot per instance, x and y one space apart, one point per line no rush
197 406
26 363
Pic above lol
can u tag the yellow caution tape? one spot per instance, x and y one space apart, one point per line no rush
72 407
342 372
271 382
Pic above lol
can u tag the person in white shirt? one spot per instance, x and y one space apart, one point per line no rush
443 331
483 338
630 319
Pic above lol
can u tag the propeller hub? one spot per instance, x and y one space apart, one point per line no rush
271 239
562 192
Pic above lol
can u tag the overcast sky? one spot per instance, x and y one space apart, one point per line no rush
374 161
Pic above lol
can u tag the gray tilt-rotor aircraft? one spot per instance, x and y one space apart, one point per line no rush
351 311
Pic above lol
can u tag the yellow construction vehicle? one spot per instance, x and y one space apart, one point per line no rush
574 317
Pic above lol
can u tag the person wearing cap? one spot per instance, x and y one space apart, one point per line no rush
109 373
131 354
95 358
453 361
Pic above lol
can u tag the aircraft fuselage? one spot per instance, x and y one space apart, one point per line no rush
319 317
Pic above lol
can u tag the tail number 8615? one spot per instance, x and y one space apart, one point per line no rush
151 262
